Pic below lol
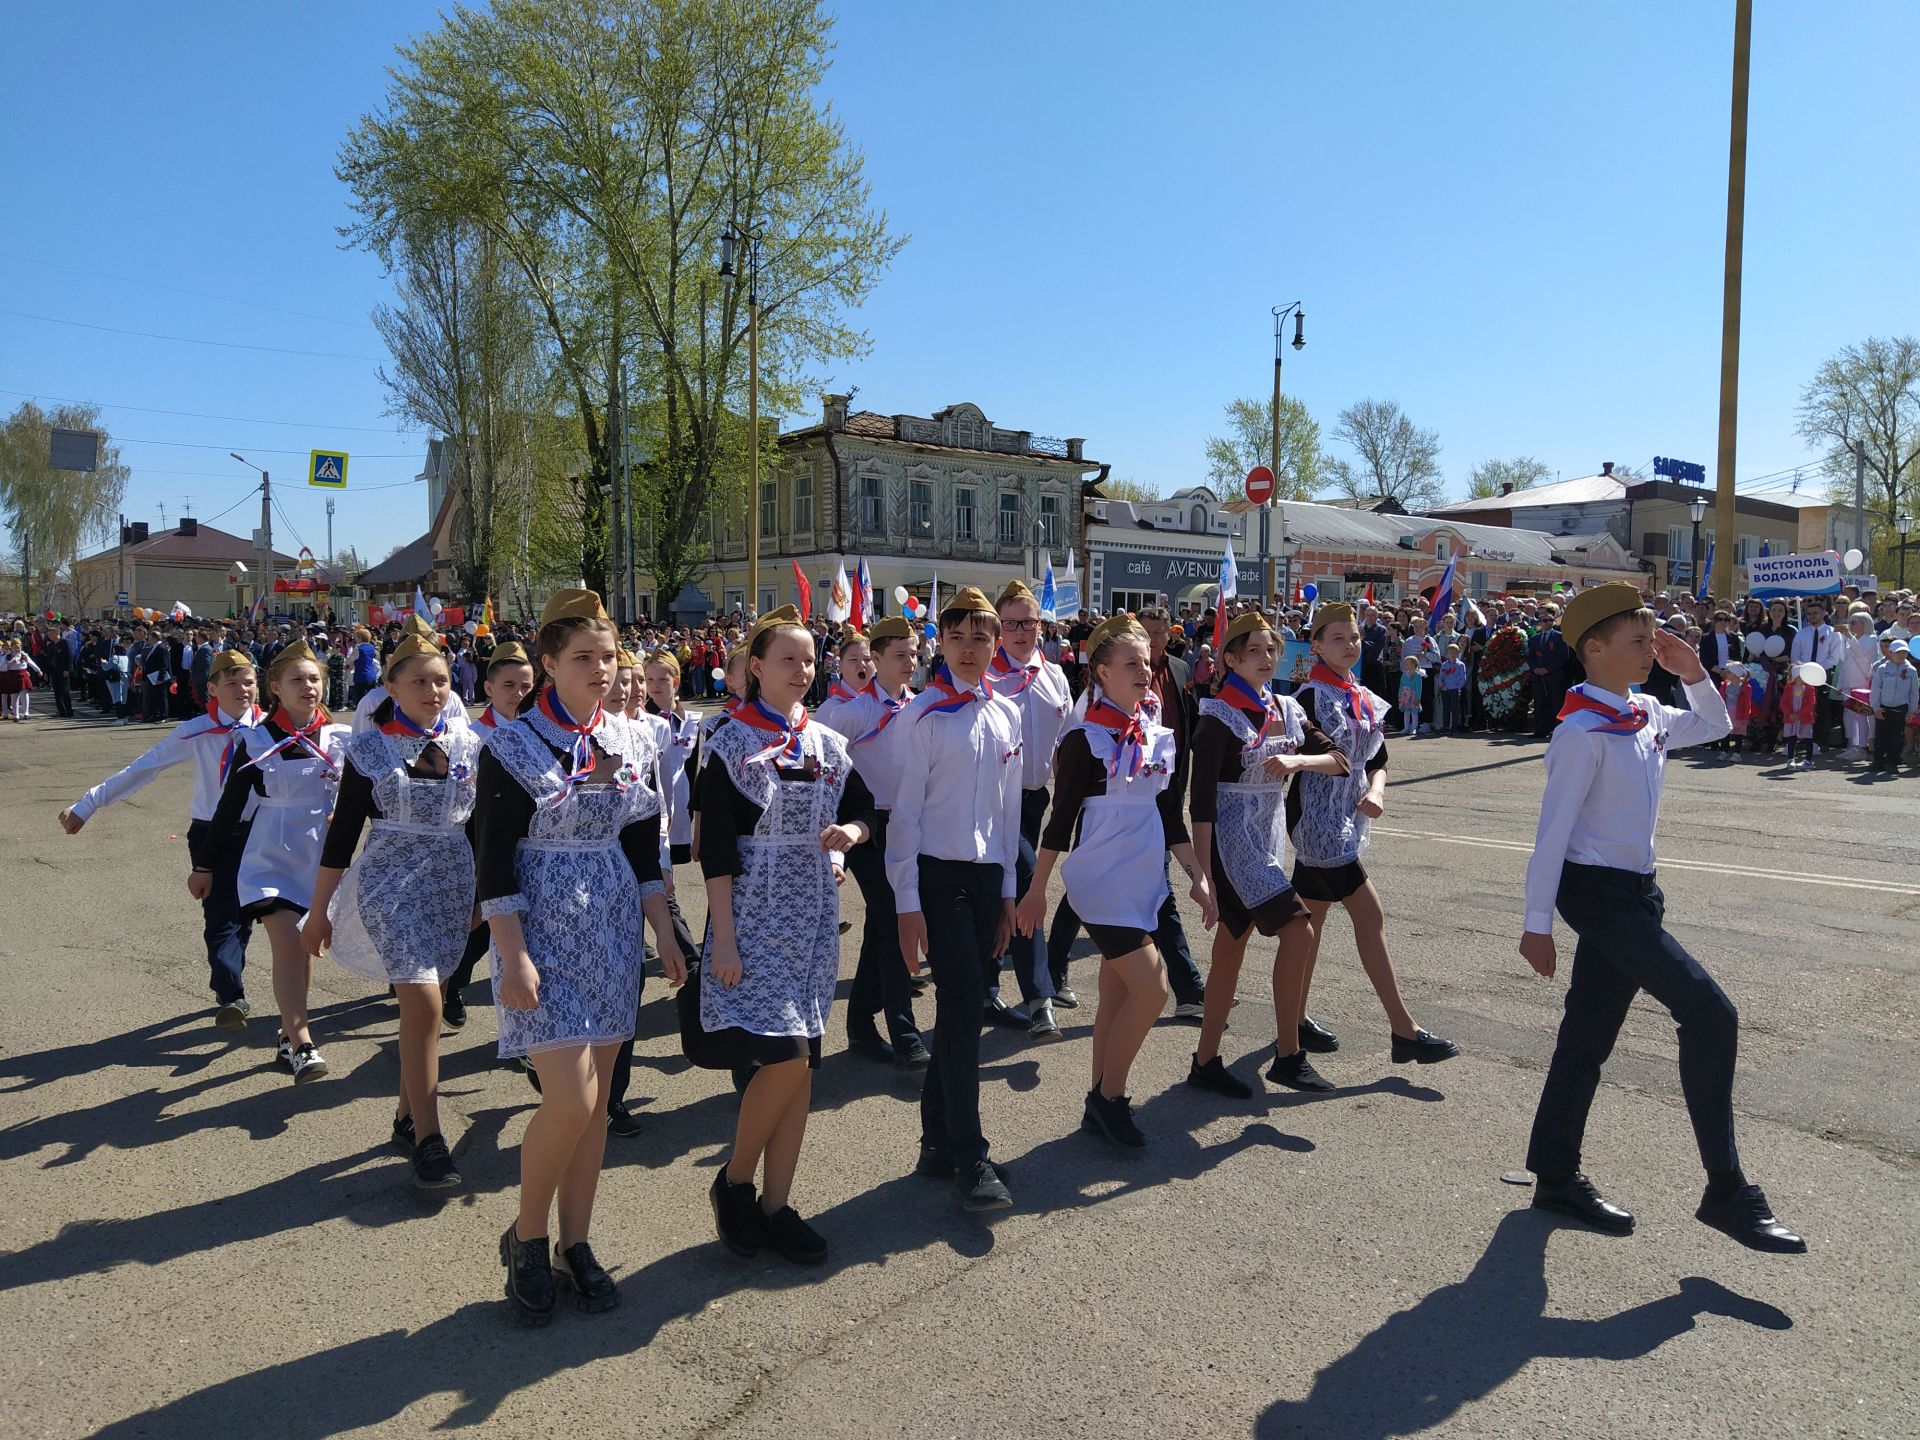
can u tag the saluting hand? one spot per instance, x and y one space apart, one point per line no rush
1677 657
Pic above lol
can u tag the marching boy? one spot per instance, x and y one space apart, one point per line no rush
1593 860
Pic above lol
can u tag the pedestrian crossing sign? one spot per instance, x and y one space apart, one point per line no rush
328 469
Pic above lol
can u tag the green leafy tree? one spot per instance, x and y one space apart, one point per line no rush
1492 477
1140 492
50 512
1869 396
1249 442
1395 457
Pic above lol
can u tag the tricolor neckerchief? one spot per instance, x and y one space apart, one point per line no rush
840 690
890 707
1619 722
402 725
297 737
1009 677
1254 704
223 726
1357 700
582 761
949 696
1129 736
489 719
758 715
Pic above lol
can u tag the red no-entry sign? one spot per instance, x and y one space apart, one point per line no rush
1259 485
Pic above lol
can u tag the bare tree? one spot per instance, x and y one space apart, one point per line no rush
1397 459
1495 477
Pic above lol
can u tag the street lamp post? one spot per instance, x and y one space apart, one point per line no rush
1280 313
266 531
1903 523
1698 510
751 243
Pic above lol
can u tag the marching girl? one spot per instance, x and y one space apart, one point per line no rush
880 982
403 914
567 845
1113 766
660 681
780 803
734 679
284 772
1246 743
508 684
455 709
206 740
1330 820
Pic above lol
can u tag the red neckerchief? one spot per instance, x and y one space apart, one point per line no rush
1254 704
253 716
401 725
949 695
758 715
489 719
1357 700
1009 677
839 691
731 707
890 707
1620 722
583 761
1130 737
305 739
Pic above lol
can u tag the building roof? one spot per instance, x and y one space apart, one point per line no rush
410 564
1377 504
1325 527
208 546
1573 544
1586 490
872 425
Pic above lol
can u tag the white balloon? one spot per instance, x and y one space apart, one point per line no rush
1814 673
720 674
1776 645
472 627
435 605
900 594
1852 559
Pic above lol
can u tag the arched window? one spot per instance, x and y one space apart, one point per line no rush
1197 521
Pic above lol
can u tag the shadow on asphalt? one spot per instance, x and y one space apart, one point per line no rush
1463 1341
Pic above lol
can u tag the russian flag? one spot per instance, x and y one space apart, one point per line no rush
1442 599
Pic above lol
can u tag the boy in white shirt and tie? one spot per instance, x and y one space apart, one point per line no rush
1593 860
953 840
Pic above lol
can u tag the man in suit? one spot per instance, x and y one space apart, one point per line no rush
154 657
1547 659
1373 651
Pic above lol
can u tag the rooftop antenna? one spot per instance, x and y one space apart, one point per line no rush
163 516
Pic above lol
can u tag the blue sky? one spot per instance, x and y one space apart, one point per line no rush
1507 217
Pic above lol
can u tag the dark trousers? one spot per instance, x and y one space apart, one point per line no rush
1623 950
623 1061
62 695
1453 710
961 902
1549 694
153 701
1826 719
1889 735
880 980
1026 954
1169 938
225 930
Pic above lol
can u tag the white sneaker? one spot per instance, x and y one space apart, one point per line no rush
307 1064
283 1053
1191 1010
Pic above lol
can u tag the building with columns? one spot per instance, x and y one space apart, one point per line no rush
949 494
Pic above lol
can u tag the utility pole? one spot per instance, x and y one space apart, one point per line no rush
1860 504
1280 313
1726 518
753 429
120 570
266 547
329 532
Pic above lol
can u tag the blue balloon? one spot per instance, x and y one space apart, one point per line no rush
1311 591
931 630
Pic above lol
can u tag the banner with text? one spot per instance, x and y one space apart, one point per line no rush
1786 576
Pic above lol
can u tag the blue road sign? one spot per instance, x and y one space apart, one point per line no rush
123 598
328 469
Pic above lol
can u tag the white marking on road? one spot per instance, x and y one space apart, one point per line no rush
1742 872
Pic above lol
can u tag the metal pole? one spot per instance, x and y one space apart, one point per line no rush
1860 504
329 532
1693 556
120 570
753 429
617 592
266 548
1266 557
1726 518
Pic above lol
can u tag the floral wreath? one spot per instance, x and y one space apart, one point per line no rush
1503 669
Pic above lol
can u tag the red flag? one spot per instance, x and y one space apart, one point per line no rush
857 609
1369 593
806 592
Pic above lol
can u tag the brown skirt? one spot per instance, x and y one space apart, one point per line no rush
1270 916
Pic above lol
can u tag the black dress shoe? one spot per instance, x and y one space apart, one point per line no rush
577 1270
1746 1216
870 1047
1576 1196
935 1162
453 1010
1215 1076
737 1217
1317 1038
1006 1016
794 1238
1424 1047
529 1277
1296 1072
912 1053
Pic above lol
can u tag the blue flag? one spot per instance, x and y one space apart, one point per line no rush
1046 591
1706 575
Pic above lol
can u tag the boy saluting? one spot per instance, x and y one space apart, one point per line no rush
1593 859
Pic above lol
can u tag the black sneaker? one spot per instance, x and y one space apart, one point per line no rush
1424 1047
307 1064
283 1052
935 1162
529 1277
575 1269
870 1047
403 1135
982 1187
232 1015
1296 1072
794 1238
621 1121
1215 1076
1316 1037
453 1010
737 1219
432 1165
1113 1120
912 1053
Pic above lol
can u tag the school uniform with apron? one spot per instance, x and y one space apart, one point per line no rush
1250 824
1116 874
297 781
1329 835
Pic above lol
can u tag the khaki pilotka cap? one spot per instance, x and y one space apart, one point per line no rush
1590 607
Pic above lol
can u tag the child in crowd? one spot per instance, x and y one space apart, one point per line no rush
1895 696
1409 695
1797 702
1737 690
1453 692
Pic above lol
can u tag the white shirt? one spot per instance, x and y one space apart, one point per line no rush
1043 707
959 793
455 710
877 761
1603 791
199 740
1824 645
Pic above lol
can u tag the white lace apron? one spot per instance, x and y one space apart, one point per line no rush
1116 874
1331 832
1250 815
290 820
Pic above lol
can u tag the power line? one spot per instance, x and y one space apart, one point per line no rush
200 415
190 339
256 449
182 290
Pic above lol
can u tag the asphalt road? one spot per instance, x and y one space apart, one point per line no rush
193 1247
